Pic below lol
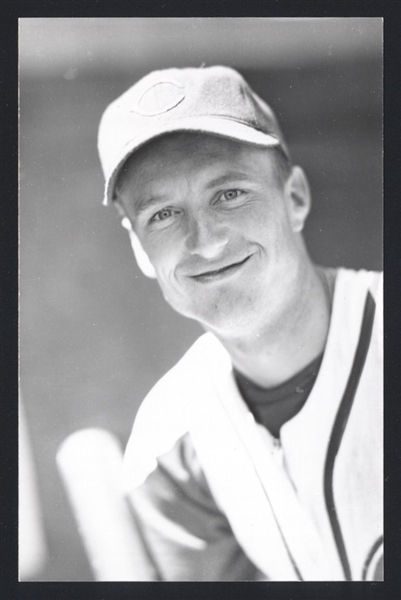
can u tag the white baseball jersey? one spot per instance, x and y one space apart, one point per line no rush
217 498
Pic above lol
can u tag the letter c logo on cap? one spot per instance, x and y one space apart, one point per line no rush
159 98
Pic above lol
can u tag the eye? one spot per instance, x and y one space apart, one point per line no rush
230 195
162 215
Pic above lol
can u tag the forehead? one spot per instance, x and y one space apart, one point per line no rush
170 155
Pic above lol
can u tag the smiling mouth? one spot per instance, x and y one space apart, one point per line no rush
220 273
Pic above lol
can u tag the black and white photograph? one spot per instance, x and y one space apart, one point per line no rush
201 299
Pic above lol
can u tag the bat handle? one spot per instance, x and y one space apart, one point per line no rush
90 466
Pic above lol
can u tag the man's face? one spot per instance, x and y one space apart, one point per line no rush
218 227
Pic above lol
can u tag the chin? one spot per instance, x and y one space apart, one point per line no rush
226 310
222 319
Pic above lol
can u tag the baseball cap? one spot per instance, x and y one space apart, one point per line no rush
213 100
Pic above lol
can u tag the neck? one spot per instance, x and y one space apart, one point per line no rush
275 350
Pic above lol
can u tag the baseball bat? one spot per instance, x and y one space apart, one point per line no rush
90 465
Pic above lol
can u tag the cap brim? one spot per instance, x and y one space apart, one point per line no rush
220 126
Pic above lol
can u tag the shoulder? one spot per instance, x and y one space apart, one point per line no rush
162 422
173 392
351 286
358 295
360 280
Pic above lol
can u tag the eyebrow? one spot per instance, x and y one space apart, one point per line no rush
147 203
232 175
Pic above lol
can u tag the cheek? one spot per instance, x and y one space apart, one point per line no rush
264 226
160 251
164 260
275 236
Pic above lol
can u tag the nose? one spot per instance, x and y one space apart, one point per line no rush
206 236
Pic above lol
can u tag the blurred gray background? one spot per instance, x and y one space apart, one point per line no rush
95 334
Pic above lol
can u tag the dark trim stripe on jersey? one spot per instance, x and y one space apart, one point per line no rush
378 543
340 424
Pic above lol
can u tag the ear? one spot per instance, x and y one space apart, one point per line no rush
298 194
141 257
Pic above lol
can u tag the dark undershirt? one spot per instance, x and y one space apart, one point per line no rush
272 407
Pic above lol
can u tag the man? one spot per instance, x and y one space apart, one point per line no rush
259 455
